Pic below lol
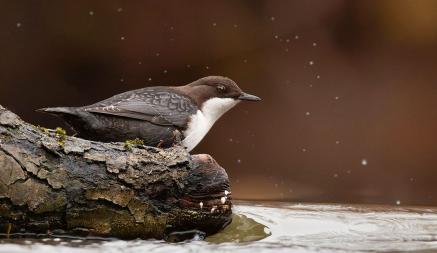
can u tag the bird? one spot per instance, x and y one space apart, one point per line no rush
158 115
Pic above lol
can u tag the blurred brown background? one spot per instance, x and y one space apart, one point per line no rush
349 87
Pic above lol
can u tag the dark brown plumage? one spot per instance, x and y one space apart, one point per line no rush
153 114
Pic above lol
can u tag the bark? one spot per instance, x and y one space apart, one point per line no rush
51 183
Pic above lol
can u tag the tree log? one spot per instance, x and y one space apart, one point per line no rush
57 184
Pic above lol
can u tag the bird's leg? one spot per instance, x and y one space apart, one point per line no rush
177 137
160 144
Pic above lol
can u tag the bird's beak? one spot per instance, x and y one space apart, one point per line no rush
248 97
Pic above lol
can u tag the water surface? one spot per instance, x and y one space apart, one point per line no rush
281 227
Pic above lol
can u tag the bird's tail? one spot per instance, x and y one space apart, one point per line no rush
58 110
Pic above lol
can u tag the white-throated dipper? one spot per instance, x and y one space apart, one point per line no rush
155 114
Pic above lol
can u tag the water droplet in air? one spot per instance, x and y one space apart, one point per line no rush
364 162
122 37
18 25
307 113
296 37
276 36
91 13
272 18
337 142
314 44
311 63
398 202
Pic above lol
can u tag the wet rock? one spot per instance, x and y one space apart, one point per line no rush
11 170
116 194
55 178
37 196
10 119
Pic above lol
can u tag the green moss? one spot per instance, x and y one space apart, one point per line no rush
43 129
60 134
128 144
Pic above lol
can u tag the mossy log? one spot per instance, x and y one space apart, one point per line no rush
57 184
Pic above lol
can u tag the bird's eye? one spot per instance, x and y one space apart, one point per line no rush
221 88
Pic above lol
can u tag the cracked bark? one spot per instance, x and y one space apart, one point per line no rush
72 186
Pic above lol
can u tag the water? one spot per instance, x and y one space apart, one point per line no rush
281 227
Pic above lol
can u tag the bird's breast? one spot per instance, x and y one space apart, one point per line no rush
200 123
198 127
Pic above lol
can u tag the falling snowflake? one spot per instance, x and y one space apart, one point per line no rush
364 162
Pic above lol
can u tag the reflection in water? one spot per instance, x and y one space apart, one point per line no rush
242 229
293 228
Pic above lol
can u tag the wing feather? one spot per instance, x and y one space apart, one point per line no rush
158 106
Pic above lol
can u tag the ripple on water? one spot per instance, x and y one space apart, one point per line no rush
279 227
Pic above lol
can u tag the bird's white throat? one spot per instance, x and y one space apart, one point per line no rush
204 119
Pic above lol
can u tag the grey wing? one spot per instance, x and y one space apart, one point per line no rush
156 106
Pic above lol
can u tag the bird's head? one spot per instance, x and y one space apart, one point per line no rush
217 88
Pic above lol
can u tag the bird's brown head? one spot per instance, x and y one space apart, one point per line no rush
210 87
